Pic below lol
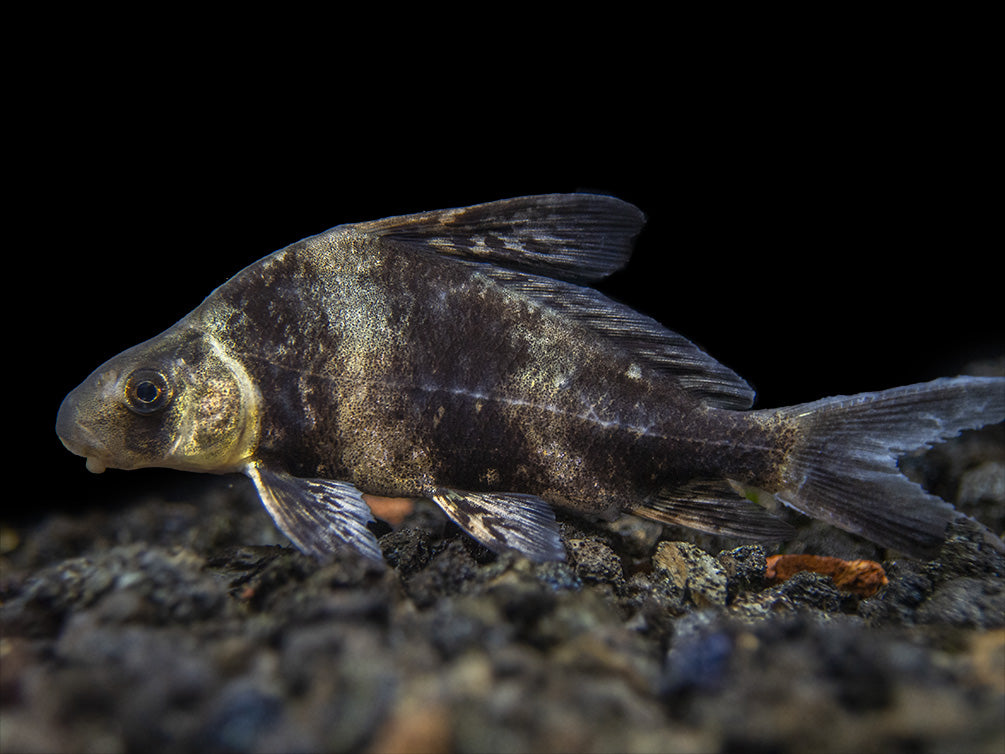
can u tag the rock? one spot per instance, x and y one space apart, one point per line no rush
745 569
909 585
965 602
595 561
967 552
805 589
408 550
986 482
693 571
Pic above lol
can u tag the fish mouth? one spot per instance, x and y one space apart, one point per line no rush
95 462
80 441
95 465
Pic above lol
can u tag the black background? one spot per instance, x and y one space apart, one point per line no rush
821 235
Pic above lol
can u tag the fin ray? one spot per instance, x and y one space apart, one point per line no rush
575 237
713 506
843 470
505 521
318 515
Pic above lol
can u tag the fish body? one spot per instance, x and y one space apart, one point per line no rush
460 355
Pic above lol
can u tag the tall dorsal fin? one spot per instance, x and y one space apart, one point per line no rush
576 237
543 247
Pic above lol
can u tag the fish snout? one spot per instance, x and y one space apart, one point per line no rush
77 438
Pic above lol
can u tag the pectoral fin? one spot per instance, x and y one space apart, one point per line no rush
714 506
505 521
318 515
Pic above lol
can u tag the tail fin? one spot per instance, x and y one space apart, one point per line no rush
843 469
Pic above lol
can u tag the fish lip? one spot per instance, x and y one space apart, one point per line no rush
80 440
95 462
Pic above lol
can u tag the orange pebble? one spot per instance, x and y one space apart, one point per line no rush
390 509
862 577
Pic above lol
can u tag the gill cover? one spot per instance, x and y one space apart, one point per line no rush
176 401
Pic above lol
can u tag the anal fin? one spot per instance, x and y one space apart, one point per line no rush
505 521
713 506
318 515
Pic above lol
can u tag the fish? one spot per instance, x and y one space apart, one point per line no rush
463 356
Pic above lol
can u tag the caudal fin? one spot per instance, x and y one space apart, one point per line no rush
843 469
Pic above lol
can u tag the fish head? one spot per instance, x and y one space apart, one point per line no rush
176 401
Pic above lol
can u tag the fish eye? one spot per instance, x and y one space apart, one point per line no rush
147 391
